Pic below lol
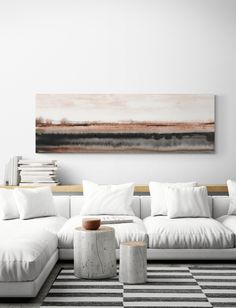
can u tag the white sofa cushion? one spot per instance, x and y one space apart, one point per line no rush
158 192
187 202
35 202
229 221
232 197
134 231
107 199
52 223
8 206
194 233
24 251
77 203
145 206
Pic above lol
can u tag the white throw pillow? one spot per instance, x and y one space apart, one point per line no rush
232 197
34 202
158 192
8 206
107 199
188 202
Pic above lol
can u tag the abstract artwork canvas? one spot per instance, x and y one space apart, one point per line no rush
73 123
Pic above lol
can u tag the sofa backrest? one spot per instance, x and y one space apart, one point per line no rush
62 205
68 206
220 205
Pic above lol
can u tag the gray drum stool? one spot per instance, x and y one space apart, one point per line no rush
133 262
94 253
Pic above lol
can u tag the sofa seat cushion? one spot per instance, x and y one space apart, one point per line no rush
24 251
182 233
124 232
52 223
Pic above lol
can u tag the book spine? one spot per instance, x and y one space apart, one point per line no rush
38 168
38 184
15 170
10 172
34 162
18 172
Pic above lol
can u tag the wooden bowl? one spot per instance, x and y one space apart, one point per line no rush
91 223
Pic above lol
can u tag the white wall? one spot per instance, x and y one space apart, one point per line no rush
119 46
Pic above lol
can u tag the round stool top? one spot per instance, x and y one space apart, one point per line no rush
134 244
101 229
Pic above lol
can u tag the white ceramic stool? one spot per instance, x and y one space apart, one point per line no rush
133 262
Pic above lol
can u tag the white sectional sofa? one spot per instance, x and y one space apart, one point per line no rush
29 249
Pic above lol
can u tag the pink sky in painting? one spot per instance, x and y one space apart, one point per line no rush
126 107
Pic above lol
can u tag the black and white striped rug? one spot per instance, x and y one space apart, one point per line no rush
194 285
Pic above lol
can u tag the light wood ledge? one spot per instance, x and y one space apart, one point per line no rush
138 188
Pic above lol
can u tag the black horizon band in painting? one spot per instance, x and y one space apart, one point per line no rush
114 141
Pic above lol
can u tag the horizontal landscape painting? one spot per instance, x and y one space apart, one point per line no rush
73 123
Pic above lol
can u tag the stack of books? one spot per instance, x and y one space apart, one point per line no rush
38 173
11 171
